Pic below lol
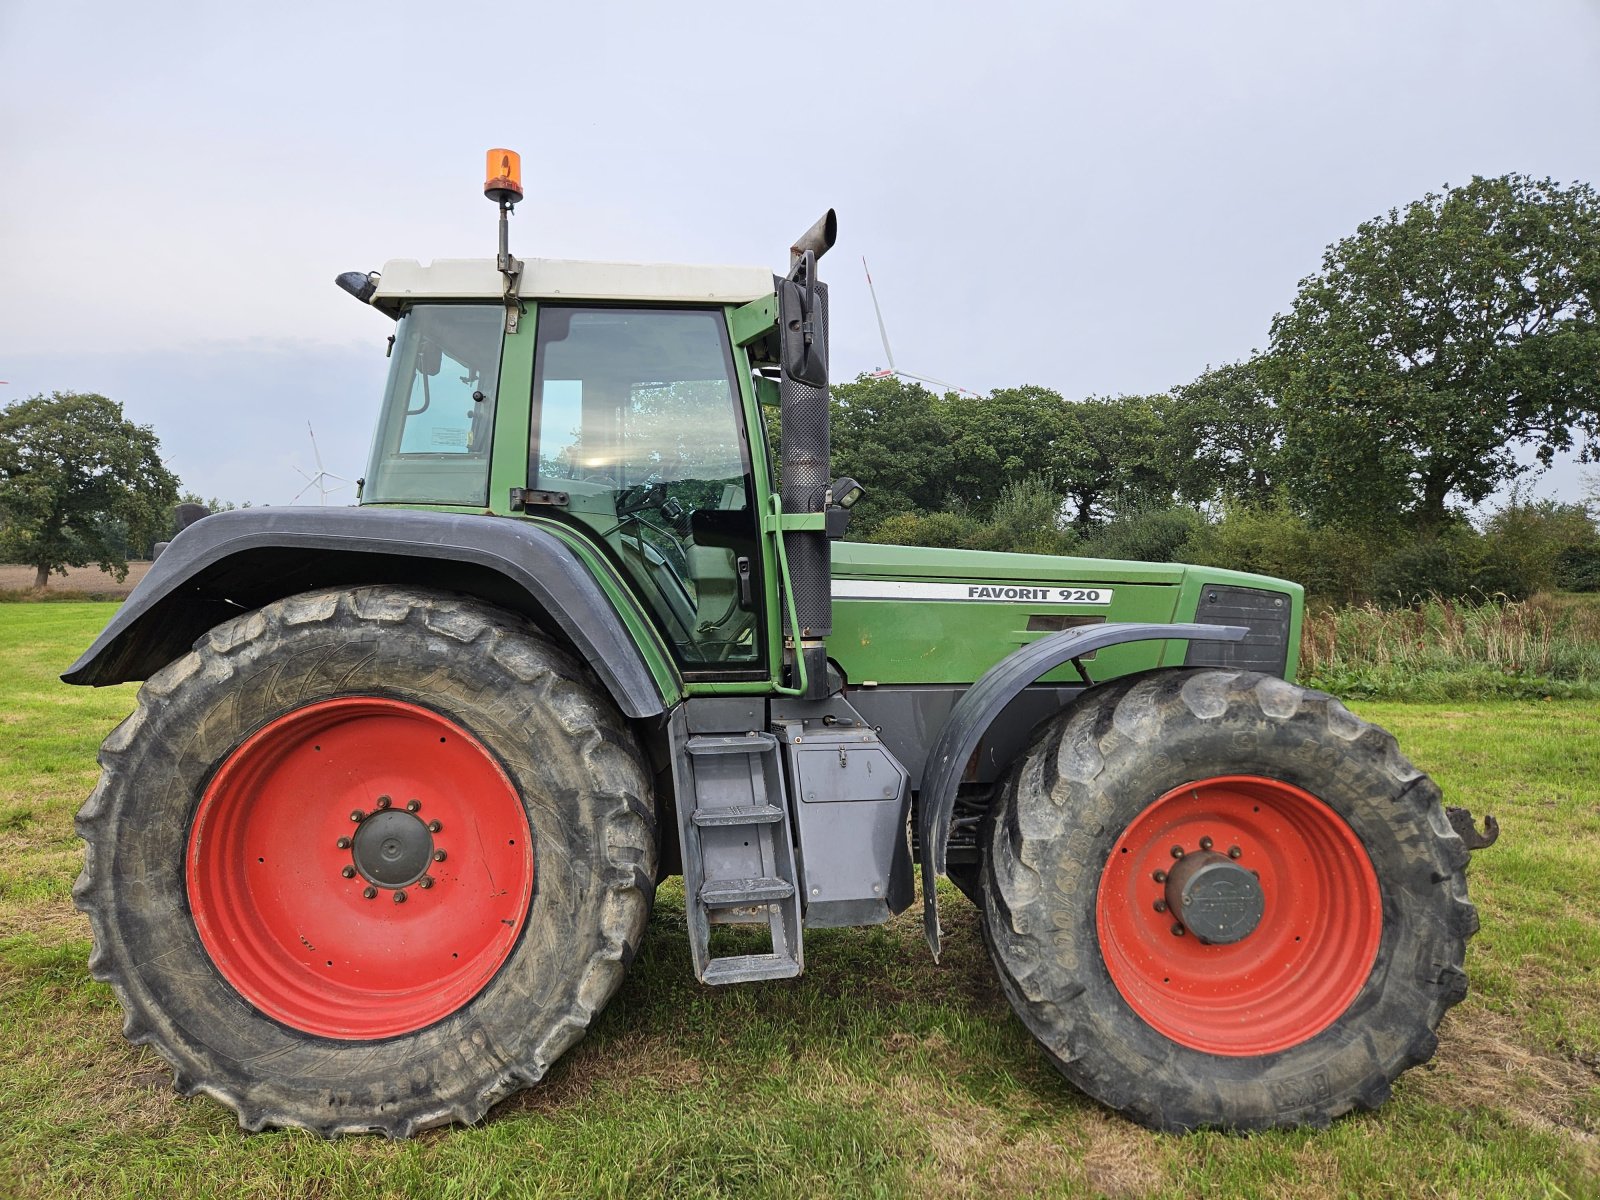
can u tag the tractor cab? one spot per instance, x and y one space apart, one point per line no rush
626 421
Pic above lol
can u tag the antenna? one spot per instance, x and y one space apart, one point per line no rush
319 480
889 354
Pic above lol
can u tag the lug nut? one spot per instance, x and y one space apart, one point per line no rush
1177 929
1177 852
413 805
343 843
384 802
425 882
434 826
1234 852
400 897
349 872
1205 843
368 892
438 856
357 816
1159 877
1161 906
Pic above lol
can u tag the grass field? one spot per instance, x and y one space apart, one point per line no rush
1547 645
876 1074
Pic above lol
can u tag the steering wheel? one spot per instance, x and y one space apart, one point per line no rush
652 493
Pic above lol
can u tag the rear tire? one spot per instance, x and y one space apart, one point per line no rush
1345 952
227 877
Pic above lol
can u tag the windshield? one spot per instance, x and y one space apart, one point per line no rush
636 420
432 444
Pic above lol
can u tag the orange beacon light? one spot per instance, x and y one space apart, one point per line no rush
502 176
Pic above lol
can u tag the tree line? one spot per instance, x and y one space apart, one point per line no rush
1441 349
1442 352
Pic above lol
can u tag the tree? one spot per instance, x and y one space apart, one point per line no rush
1115 454
1237 434
1436 343
893 436
78 484
1002 438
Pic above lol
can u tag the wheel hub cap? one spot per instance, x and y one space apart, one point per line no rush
331 876
1216 899
1239 915
393 849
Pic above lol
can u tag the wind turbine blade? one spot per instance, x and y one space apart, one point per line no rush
949 387
306 477
303 491
315 453
882 332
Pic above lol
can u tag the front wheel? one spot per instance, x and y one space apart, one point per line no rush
1218 899
367 859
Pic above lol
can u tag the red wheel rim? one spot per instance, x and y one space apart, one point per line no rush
368 928
1301 966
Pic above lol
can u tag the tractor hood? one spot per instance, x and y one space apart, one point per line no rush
919 615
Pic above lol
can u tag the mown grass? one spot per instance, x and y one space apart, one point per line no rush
877 1073
1548 645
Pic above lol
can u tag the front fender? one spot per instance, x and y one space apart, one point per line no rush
984 701
233 562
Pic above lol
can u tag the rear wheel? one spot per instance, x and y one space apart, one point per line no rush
1218 899
367 860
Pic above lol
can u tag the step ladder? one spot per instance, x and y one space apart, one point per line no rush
738 851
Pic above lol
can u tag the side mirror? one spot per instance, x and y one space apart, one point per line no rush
429 358
802 333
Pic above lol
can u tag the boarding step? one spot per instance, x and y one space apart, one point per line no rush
748 814
734 829
734 893
747 968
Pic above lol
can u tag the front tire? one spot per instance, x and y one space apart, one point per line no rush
367 860
1300 976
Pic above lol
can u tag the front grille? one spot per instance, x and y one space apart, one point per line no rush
1265 648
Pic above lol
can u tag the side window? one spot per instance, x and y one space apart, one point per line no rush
434 438
637 420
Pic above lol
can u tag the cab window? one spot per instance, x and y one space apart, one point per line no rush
636 419
433 439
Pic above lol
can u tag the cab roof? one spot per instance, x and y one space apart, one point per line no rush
405 281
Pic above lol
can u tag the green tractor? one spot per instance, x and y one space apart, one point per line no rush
382 835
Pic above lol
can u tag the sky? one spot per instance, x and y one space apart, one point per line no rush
1099 198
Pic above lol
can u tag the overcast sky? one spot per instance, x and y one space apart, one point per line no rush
1098 198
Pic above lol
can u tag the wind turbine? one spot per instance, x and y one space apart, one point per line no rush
889 354
319 480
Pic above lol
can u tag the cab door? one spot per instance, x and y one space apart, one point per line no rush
637 420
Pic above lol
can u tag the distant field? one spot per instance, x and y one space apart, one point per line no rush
875 1074
78 581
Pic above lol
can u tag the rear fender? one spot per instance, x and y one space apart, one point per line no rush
980 704
233 562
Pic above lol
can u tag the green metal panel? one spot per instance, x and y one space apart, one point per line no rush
753 320
766 485
509 464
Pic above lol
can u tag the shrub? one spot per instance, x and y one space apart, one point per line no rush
1527 540
1026 519
1578 569
1148 534
1333 565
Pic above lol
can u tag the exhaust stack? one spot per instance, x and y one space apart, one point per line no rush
803 400
818 239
